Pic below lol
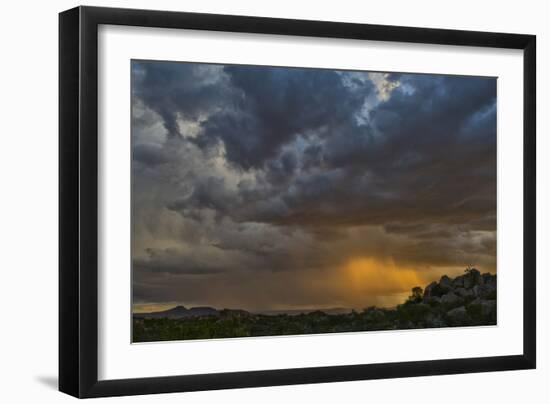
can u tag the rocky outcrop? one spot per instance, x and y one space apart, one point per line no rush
468 299
450 299
457 316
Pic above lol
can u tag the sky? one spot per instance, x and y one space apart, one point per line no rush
276 188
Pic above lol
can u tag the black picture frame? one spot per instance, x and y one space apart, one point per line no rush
78 201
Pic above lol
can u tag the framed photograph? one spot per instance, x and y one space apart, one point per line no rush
251 201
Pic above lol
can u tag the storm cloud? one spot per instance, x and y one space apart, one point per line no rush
254 181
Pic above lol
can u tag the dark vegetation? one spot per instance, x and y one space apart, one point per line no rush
467 300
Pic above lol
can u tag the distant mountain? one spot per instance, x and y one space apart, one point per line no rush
295 312
179 312
203 311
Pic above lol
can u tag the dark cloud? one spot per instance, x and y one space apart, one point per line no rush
273 105
172 261
149 154
264 170
175 90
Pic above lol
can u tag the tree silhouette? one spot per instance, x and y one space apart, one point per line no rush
416 294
